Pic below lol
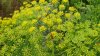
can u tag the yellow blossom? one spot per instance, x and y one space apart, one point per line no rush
64 1
24 23
59 20
61 7
55 11
60 13
44 14
47 9
68 15
61 45
37 8
41 1
45 20
54 1
31 29
59 27
53 34
98 24
77 15
24 3
49 23
34 21
72 8
28 5
33 2
42 28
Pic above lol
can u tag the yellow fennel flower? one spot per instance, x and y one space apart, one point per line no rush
59 27
72 8
33 2
64 1
68 15
34 21
55 11
60 13
24 3
98 24
49 23
24 23
42 28
31 29
77 15
37 8
59 20
54 1
53 34
45 20
41 1
61 7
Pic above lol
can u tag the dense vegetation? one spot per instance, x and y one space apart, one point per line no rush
52 28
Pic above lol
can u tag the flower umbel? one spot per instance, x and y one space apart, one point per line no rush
41 1
61 7
53 34
77 15
64 1
31 29
42 28
72 8
68 15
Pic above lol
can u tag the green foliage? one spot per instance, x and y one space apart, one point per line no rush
57 30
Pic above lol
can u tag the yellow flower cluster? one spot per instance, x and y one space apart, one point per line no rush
24 3
47 21
54 1
53 33
33 2
61 7
72 9
24 23
68 15
64 1
69 26
42 28
59 20
77 15
55 11
41 1
98 24
60 13
34 21
37 8
31 29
